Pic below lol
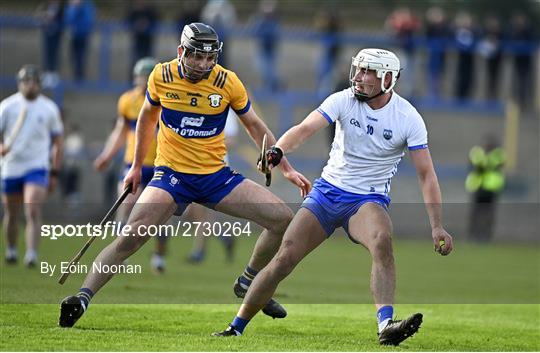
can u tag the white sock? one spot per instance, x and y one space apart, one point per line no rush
383 324
30 256
11 252
157 261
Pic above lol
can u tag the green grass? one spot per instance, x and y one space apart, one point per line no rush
481 298
309 327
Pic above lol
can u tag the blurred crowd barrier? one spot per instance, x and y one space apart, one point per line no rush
476 55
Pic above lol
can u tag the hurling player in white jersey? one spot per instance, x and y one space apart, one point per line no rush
374 126
31 133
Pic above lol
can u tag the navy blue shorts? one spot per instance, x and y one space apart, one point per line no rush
16 185
146 174
207 189
333 206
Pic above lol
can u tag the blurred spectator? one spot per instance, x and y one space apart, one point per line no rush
327 21
266 27
490 49
141 20
465 38
485 182
190 13
522 33
52 22
70 176
404 25
221 15
79 17
437 32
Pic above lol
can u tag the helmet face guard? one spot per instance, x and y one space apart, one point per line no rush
200 49
378 60
361 89
196 64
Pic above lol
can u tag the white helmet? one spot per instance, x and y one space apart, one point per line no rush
380 60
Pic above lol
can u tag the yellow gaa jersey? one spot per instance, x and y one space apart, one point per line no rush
129 105
191 135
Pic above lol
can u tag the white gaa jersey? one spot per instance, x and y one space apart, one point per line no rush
369 144
31 148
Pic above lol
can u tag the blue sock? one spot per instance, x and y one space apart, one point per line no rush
384 315
247 277
85 295
239 324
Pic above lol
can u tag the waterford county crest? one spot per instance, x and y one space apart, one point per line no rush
387 134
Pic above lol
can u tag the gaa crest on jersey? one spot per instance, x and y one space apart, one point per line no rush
387 134
215 100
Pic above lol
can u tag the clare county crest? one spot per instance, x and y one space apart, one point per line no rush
215 100
174 180
387 134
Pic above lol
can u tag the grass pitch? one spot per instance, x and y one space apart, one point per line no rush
309 327
481 298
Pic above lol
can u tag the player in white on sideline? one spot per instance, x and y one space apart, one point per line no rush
31 131
374 125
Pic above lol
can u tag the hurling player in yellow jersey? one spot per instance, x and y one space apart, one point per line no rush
129 106
190 97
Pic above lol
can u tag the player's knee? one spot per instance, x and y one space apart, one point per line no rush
32 212
11 216
283 220
132 238
284 262
381 247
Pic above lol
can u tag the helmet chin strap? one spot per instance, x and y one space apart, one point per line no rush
367 99
364 99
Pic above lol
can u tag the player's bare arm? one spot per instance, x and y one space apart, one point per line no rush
256 129
114 143
431 193
298 134
294 137
146 124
